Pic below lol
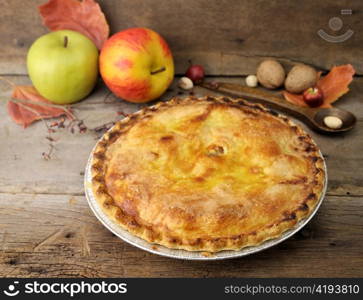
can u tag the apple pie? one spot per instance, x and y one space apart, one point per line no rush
207 174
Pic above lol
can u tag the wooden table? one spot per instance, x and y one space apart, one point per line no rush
48 230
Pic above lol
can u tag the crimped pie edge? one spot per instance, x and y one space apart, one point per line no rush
237 242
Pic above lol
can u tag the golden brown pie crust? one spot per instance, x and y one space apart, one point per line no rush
207 174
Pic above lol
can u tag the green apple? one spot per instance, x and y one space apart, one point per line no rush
63 66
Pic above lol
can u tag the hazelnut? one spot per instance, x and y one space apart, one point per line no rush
251 80
300 78
333 122
270 74
185 83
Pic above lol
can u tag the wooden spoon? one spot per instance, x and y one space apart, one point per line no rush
313 117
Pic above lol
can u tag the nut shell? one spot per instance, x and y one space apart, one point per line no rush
300 78
185 83
270 74
251 81
333 122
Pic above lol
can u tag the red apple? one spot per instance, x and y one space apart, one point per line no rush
137 65
313 97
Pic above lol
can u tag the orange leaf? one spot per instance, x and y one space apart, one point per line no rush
26 113
85 17
336 83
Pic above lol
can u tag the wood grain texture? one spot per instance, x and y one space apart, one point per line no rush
61 174
229 37
48 230
58 236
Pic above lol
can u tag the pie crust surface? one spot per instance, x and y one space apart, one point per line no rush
207 174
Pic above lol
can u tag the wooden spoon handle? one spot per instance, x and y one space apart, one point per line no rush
260 96
313 117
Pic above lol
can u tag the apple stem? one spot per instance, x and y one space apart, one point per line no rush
162 69
65 41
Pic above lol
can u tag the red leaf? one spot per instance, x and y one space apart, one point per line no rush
336 83
296 99
26 113
85 17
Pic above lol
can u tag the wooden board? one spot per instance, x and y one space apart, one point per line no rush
47 229
229 37
57 235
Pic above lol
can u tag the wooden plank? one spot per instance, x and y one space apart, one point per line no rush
22 149
25 170
229 37
58 236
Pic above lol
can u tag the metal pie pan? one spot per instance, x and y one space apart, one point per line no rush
183 254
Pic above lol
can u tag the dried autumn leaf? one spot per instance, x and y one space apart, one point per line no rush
24 113
296 99
85 16
334 85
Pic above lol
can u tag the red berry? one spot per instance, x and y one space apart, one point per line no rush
195 73
313 97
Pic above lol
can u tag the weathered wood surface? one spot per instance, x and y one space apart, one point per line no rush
229 37
47 228
21 149
57 235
